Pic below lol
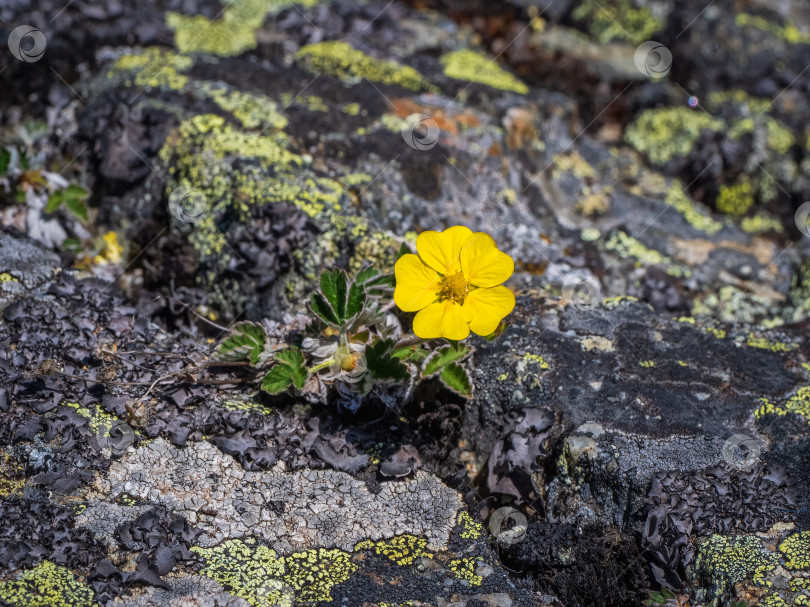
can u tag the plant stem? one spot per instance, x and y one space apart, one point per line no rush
322 365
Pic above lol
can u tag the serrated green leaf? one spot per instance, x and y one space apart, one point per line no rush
321 307
246 342
334 288
289 370
356 300
55 201
455 377
413 353
382 364
77 207
444 355
5 159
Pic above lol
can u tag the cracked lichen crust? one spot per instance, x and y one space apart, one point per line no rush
196 591
312 508
47 585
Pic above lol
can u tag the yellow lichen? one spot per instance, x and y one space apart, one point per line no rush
402 550
735 199
470 528
464 569
47 585
796 548
340 59
472 66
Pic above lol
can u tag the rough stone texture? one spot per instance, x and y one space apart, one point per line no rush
289 510
191 591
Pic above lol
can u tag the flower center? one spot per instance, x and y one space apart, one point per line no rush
454 287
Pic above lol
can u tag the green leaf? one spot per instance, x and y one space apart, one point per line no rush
356 301
74 245
55 201
25 164
365 275
414 353
19 196
455 377
246 342
289 370
382 364
77 207
403 250
444 355
76 191
333 287
5 159
321 307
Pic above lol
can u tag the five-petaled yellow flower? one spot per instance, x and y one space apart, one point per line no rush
454 284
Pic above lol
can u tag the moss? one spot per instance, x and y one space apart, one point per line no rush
666 133
258 575
628 247
47 585
735 199
464 569
229 35
402 550
796 548
728 560
340 59
761 223
678 199
470 528
473 66
617 20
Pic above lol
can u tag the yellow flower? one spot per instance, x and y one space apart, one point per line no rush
454 284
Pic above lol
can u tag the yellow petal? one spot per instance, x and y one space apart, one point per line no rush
417 284
442 319
440 250
486 308
482 263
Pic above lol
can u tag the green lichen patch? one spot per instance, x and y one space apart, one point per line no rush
666 133
735 199
678 199
464 569
470 528
232 33
796 548
152 67
47 585
259 575
402 550
723 561
761 222
12 475
617 20
472 66
628 247
340 59
789 33
798 404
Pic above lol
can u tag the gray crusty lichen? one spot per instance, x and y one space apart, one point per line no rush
310 508
193 590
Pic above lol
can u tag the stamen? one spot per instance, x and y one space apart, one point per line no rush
454 287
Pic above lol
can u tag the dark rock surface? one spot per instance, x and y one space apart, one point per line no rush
647 411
